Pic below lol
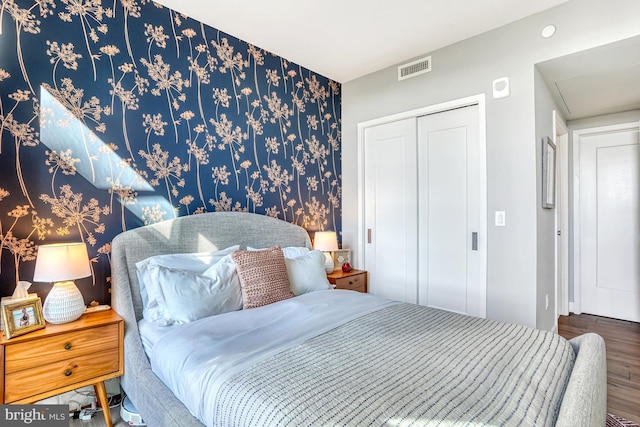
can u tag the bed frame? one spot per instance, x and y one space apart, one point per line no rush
584 402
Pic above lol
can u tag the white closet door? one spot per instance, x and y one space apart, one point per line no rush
452 238
391 210
610 223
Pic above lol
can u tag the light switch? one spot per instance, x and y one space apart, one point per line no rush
501 219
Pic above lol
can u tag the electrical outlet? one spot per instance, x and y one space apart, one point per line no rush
500 218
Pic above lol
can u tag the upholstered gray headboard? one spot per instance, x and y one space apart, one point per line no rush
195 233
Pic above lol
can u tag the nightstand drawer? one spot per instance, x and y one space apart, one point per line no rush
29 382
61 347
353 283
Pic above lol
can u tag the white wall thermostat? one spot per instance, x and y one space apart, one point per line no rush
501 87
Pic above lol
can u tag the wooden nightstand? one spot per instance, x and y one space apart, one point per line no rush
355 280
60 358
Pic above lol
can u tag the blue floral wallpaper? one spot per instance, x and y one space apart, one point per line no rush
115 114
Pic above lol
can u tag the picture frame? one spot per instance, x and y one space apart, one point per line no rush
340 256
22 317
548 174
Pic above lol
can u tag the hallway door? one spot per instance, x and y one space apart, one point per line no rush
610 222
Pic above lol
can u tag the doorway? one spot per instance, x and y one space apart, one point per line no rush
607 218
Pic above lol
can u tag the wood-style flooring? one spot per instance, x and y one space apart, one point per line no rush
622 340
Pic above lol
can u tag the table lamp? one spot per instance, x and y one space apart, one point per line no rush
326 241
61 263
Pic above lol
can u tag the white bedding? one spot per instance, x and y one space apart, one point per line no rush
230 342
150 332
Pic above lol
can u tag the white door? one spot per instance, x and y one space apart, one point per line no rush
451 232
610 223
391 210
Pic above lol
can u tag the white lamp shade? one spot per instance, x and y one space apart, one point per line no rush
61 261
325 241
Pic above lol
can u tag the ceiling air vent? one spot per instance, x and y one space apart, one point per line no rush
414 68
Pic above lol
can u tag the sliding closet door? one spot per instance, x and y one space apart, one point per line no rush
451 234
391 210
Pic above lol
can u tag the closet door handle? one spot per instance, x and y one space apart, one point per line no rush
474 241
368 235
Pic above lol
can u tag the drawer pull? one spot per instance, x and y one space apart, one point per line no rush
67 346
68 373
350 282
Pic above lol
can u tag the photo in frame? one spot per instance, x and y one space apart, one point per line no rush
548 174
22 317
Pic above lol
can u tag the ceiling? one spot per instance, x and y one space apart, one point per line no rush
598 81
346 39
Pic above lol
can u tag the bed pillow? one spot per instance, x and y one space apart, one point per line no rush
187 296
306 273
263 276
289 251
195 262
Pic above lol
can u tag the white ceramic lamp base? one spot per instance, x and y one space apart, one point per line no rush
328 263
64 303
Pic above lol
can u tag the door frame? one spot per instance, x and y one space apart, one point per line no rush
575 306
561 139
478 100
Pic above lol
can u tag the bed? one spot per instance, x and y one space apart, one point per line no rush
348 358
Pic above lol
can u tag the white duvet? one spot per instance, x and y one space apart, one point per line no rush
194 359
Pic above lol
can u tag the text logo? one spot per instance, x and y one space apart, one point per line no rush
34 415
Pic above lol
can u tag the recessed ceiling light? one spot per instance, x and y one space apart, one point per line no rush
548 31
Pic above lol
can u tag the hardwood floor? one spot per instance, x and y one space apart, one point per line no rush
622 340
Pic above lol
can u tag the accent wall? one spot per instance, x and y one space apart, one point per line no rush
118 114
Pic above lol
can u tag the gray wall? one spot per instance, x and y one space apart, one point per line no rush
468 68
606 120
545 225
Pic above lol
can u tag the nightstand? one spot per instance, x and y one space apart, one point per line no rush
64 357
355 280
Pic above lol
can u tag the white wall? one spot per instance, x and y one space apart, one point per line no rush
468 68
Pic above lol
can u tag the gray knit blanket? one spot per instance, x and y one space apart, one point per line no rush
405 365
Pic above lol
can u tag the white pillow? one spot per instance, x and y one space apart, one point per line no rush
289 252
306 273
187 296
194 262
